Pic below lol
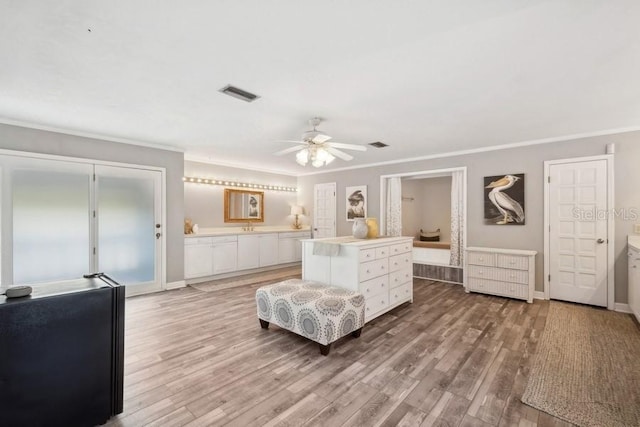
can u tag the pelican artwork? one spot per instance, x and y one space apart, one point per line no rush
509 208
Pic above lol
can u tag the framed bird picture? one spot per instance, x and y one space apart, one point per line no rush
504 199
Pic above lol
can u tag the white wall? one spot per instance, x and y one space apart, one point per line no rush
430 208
528 160
204 203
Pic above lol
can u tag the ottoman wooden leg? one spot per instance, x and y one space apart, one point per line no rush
264 324
356 333
324 349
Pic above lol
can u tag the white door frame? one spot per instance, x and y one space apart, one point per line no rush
610 223
434 173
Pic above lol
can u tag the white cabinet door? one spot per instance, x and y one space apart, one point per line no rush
268 249
197 261
248 252
287 250
225 257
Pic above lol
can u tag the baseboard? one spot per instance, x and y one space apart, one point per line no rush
176 285
538 295
622 308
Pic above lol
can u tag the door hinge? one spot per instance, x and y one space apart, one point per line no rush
94 177
94 250
94 214
549 178
549 277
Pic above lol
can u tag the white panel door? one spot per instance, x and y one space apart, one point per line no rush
324 210
129 230
578 218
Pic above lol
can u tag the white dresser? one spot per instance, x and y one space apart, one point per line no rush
504 272
381 269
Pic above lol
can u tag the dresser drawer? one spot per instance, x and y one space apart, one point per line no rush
374 286
401 248
382 252
371 269
374 305
398 262
400 277
513 261
481 258
401 293
500 274
513 290
367 255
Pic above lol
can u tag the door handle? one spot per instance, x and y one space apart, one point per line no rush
600 240
158 235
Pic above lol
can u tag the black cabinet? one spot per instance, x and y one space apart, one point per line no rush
62 354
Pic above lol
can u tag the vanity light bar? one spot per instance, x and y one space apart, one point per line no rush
228 183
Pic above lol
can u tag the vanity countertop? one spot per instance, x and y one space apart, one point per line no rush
634 241
227 231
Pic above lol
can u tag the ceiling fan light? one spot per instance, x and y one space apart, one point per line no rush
302 157
317 163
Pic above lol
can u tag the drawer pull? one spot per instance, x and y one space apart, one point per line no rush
368 271
513 276
512 262
480 272
480 259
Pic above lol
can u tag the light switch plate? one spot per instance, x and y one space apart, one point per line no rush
636 228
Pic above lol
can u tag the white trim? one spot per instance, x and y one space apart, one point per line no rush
610 223
538 295
623 308
176 285
28 125
564 138
424 174
438 280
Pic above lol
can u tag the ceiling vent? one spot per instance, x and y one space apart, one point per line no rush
378 144
239 93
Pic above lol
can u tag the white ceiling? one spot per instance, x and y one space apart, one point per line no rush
425 77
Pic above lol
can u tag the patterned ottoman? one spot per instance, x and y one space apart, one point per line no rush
319 312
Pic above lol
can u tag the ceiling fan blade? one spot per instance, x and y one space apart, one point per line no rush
290 150
339 154
348 146
294 141
320 138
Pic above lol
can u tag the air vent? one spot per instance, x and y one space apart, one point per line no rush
239 93
378 144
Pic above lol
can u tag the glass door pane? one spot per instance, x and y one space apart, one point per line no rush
127 202
49 210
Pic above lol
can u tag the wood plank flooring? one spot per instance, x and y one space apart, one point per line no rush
200 358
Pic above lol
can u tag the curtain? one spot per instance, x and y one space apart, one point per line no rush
394 207
457 221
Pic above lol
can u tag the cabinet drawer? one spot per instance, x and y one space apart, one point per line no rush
513 261
400 248
400 277
294 235
514 290
382 252
371 269
481 258
224 239
374 286
401 293
367 255
197 240
502 275
398 262
375 304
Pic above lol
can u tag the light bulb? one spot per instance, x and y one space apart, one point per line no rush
302 157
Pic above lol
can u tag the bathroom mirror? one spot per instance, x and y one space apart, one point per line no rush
243 205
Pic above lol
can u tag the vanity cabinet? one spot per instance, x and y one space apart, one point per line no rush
503 272
206 256
257 250
380 269
290 247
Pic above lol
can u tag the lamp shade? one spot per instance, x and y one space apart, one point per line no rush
296 210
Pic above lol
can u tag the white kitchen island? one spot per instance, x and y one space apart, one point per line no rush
381 269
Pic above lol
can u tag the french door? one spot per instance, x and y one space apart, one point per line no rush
63 219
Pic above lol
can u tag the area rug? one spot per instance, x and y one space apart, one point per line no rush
587 367
264 277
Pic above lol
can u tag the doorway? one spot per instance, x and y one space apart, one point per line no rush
579 238
324 210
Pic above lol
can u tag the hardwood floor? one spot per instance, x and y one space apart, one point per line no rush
200 358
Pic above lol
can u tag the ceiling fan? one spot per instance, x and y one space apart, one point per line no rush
316 147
